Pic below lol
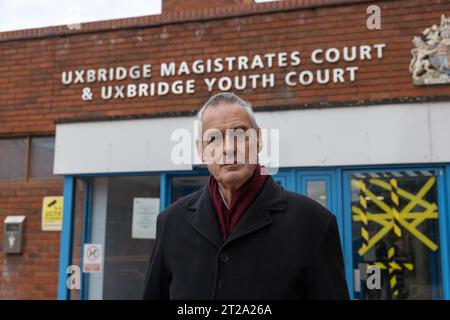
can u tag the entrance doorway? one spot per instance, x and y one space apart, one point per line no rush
393 218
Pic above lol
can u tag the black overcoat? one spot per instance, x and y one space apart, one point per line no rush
285 246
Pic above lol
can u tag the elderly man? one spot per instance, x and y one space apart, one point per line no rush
242 236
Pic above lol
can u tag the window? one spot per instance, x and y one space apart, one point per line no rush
41 157
12 158
317 190
27 157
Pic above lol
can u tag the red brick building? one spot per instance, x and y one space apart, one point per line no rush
342 92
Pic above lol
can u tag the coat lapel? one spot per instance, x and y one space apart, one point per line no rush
258 215
204 218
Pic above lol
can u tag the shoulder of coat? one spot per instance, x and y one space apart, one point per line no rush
181 205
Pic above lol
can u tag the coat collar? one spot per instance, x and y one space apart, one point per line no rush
204 219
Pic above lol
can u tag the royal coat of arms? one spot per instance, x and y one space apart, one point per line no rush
431 55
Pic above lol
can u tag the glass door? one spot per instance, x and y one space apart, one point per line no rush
393 223
121 220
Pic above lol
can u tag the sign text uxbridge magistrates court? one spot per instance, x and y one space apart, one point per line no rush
255 67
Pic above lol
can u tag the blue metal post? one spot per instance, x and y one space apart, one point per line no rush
65 251
444 215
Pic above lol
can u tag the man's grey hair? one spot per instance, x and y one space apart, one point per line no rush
230 98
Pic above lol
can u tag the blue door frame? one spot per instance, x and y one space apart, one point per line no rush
65 251
293 179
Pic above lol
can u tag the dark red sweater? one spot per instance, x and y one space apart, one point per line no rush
240 202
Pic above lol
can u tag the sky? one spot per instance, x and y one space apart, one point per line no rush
26 14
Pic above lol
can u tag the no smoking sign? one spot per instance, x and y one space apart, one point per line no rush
92 258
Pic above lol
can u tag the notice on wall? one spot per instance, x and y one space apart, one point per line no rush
145 212
52 210
92 258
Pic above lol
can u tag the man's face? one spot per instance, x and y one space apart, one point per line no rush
231 156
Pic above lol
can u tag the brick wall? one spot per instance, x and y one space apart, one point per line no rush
32 97
33 274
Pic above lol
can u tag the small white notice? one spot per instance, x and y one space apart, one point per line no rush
145 212
92 258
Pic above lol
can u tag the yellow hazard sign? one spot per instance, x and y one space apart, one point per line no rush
52 210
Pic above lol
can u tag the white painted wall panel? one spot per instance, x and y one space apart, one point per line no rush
440 132
117 146
385 134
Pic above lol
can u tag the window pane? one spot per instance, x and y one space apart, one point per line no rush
41 157
316 190
396 228
12 158
182 186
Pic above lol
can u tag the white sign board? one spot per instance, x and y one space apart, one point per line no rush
145 212
92 258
